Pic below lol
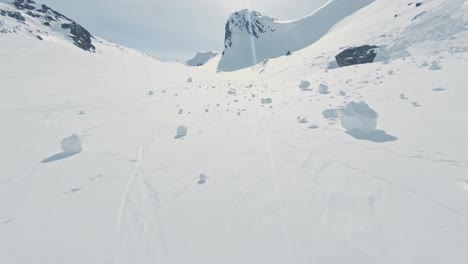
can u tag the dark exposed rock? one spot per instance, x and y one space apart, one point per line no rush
39 37
66 26
418 16
357 55
80 36
49 18
33 14
24 4
289 53
227 36
13 14
418 4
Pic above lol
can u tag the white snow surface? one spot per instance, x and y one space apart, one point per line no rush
201 58
277 190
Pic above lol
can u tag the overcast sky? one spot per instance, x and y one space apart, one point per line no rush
171 29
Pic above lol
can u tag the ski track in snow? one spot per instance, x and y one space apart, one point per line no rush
409 191
275 190
138 215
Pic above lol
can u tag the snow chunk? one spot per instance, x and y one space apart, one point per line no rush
330 113
181 132
305 86
435 66
202 179
71 144
323 89
359 117
302 120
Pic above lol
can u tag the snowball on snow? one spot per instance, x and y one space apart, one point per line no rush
181 131
323 89
359 116
435 66
304 86
71 144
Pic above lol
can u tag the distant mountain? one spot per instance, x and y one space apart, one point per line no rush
201 58
251 37
41 21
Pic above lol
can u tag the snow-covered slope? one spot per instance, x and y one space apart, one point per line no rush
251 37
260 165
42 22
201 58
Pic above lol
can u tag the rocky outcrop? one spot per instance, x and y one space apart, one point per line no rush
81 37
357 55
25 10
251 22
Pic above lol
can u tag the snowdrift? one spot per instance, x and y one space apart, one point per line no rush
201 58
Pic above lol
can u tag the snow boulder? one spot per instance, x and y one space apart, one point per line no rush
358 117
71 144
305 86
202 179
181 132
323 89
330 113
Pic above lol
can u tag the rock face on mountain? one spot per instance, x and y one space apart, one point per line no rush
252 22
357 55
251 37
40 19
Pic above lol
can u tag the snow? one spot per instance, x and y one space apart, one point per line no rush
201 58
71 144
358 116
202 179
276 190
181 132
435 66
287 36
323 89
304 86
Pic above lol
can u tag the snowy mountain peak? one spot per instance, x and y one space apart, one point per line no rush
41 21
272 38
246 21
